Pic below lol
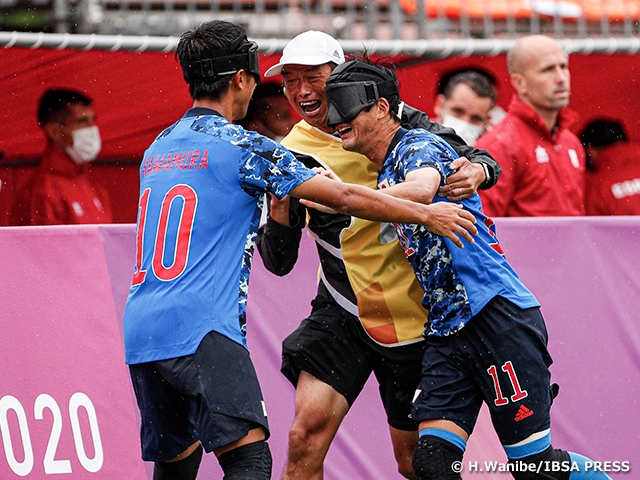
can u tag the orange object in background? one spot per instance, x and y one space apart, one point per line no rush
591 10
478 9
614 10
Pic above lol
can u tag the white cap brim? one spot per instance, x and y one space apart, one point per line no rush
311 60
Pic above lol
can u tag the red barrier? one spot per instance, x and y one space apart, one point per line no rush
136 95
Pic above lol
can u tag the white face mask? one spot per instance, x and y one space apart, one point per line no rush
467 131
86 144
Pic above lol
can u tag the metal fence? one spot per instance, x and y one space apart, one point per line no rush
406 20
436 48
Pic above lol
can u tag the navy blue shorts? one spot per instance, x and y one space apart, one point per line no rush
212 396
332 345
500 357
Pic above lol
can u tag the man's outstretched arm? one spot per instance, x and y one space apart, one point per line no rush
445 219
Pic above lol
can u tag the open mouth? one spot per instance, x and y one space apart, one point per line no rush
311 107
343 130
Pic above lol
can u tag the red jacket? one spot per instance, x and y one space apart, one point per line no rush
61 193
542 172
614 188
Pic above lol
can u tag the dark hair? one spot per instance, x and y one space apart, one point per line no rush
445 77
209 40
54 104
602 133
260 101
476 81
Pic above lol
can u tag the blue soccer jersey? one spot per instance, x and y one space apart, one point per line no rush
202 182
457 283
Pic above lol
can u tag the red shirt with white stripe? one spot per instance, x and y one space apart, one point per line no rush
542 172
614 189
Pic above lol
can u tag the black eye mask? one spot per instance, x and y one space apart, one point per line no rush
346 100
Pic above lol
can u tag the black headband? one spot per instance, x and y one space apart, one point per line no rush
244 57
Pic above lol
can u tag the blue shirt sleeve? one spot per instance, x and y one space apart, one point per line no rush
422 149
269 167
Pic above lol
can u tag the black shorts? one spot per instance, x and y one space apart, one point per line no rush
500 357
331 345
212 396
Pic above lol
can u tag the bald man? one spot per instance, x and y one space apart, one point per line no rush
543 162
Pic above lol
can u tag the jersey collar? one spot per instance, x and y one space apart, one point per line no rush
198 111
396 138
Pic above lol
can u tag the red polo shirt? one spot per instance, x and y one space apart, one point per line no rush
62 193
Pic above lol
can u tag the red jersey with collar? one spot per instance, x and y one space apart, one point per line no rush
61 193
614 189
542 171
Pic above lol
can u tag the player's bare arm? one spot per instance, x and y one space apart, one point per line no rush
448 220
360 201
318 206
279 209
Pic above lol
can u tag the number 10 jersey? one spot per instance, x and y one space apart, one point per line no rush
202 181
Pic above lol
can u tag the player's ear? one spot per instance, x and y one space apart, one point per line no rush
437 105
383 107
240 79
54 132
518 82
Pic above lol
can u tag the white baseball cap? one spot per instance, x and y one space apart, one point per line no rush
309 48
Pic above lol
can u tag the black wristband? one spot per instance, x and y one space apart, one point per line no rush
487 181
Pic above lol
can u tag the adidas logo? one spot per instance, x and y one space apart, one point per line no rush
336 54
523 412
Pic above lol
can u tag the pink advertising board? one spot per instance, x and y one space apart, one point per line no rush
67 409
